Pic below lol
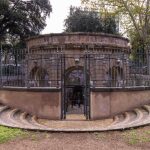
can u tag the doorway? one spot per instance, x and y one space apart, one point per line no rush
75 87
74 91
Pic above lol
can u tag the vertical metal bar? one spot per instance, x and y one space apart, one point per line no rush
27 69
64 79
57 68
109 71
63 103
85 92
62 90
1 67
88 85
123 70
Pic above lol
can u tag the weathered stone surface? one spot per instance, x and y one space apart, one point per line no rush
18 119
78 38
43 104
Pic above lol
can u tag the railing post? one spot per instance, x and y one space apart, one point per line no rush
1 83
27 70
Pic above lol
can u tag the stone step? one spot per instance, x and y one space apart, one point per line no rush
139 117
12 119
15 118
2 109
132 121
123 122
144 116
24 121
5 117
147 108
123 119
36 123
20 121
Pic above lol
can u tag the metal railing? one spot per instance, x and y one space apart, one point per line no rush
107 68
119 70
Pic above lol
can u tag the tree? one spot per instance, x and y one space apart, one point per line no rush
80 20
20 19
23 18
134 15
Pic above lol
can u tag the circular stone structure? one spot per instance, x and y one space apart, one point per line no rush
67 61
76 77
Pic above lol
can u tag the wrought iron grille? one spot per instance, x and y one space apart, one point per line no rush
35 69
12 67
44 70
119 69
107 68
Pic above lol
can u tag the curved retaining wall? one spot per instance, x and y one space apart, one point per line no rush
110 102
44 103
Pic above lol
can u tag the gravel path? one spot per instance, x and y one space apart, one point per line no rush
77 141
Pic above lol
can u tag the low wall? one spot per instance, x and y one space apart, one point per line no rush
45 103
109 102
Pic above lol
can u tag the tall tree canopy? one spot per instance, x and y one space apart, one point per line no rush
80 20
20 19
134 16
23 18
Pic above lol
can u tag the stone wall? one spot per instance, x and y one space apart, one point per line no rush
78 38
44 104
107 103
104 103
42 50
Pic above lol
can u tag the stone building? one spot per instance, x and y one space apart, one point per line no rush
75 63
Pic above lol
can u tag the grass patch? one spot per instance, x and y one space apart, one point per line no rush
147 132
99 135
7 134
134 137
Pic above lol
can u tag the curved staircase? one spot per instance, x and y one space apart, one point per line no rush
18 119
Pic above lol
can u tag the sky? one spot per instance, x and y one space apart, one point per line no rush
60 11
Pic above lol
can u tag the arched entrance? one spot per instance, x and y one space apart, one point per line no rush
74 90
116 76
38 77
75 86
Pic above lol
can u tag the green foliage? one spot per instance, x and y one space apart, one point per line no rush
133 17
89 21
138 52
23 18
99 135
7 134
20 19
15 48
133 137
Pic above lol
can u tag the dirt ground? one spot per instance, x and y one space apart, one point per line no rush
136 139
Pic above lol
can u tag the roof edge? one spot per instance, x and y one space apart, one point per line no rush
78 33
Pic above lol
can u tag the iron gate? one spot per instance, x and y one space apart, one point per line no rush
87 86
76 64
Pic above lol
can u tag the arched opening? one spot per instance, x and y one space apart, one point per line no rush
74 85
116 76
39 77
75 76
